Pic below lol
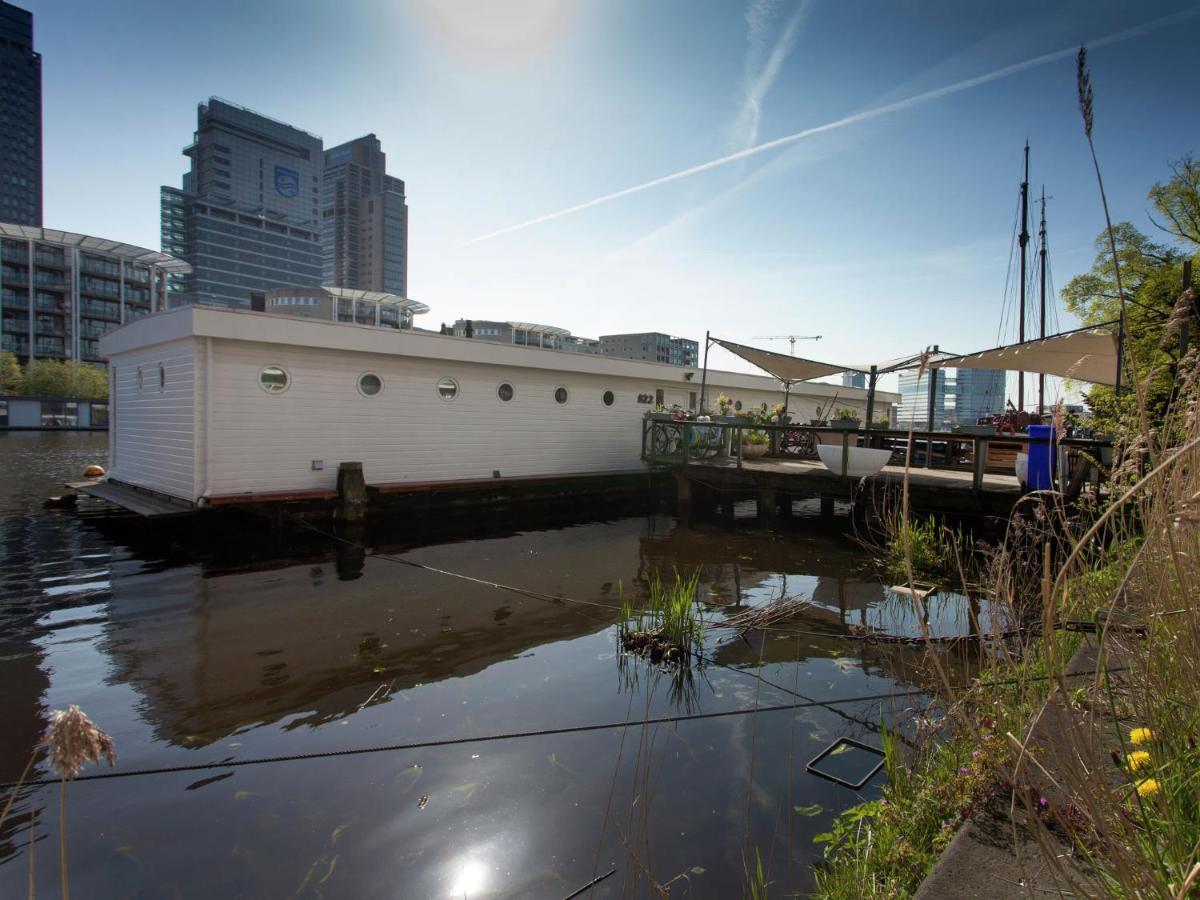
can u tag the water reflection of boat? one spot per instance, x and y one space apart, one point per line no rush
213 654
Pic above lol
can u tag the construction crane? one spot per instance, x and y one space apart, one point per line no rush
788 337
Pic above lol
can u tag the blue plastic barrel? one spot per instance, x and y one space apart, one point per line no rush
1042 458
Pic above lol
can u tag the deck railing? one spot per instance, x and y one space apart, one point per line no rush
668 441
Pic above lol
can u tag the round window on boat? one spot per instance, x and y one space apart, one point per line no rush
447 388
369 384
738 405
505 392
609 398
560 395
162 376
141 379
273 380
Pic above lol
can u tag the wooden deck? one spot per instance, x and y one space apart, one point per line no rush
150 504
934 490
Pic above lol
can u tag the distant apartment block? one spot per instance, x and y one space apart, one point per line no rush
523 334
854 379
364 220
59 291
248 216
653 346
20 119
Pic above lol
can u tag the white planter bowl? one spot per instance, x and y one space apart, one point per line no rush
861 462
1022 468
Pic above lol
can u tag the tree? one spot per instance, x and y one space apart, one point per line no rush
1178 201
65 378
12 379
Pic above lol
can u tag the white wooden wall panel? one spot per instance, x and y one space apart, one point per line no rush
153 433
267 442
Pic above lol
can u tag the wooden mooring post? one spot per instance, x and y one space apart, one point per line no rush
351 493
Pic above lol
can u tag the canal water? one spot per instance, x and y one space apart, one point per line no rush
191 649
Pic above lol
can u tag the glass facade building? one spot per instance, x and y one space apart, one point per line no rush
978 393
653 346
963 396
364 220
60 291
20 119
247 218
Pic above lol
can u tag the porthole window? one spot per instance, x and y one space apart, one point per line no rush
560 395
141 380
609 398
273 380
505 392
162 376
369 384
447 388
738 405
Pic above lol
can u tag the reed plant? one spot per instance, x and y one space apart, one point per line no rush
669 613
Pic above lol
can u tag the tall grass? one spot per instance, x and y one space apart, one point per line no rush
669 613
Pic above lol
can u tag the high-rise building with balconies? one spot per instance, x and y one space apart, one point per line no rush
60 291
248 215
21 121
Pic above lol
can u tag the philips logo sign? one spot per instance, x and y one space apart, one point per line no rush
287 182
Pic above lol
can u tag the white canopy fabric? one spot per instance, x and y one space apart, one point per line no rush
785 368
1089 354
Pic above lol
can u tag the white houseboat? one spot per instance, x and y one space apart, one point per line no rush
213 405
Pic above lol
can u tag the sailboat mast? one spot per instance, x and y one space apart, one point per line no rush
1042 330
1024 239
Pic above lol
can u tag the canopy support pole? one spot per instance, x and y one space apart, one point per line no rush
704 374
874 376
933 374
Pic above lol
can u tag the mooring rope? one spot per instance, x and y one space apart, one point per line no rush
542 732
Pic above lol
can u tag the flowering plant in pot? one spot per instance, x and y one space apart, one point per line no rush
724 404
845 419
755 444
779 415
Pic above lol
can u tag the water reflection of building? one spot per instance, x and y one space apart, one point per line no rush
214 654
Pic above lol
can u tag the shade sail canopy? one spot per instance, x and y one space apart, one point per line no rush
1089 354
785 368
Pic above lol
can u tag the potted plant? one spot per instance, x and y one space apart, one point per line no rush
845 419
724 404
976 430
880 424
659 414
755 444
779 415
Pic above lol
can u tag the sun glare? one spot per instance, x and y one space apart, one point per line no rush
468 879
486 28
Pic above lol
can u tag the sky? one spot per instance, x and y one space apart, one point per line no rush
600 164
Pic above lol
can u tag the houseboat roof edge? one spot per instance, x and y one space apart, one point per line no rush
253 326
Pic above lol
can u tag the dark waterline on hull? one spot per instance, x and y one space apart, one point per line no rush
192 648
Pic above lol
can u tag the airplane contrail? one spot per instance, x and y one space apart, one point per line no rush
872 113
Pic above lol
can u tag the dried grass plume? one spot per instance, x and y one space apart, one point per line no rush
1083 79
73 739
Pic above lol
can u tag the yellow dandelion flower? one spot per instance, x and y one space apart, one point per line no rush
1141 736
1137 760
1147 787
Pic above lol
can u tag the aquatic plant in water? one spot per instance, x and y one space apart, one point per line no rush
669 625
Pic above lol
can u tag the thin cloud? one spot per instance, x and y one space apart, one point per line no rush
762 68
865 115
